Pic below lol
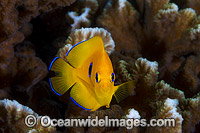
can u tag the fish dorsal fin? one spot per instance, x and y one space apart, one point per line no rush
124 90
82 51
82 96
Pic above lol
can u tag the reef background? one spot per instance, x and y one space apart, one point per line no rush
166 34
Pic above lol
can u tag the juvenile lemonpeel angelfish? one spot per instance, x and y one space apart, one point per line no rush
89 74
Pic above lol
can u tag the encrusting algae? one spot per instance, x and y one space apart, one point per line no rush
153 42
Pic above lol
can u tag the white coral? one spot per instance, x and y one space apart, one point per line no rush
133 114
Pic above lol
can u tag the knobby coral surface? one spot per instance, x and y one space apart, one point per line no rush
13 116
154 42
83 34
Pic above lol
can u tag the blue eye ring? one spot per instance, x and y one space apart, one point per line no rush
97 78
112 77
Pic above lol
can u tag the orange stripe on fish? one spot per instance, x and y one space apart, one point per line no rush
89 74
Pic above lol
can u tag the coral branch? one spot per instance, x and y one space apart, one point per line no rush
82 34
168 110
13 115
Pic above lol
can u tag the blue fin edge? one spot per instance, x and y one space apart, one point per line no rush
78 104
76 45
53 62
52 88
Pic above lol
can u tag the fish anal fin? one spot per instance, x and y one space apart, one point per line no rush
81 52
83 97
124 90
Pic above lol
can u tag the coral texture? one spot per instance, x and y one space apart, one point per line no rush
154 42
13 115
84 34
168 110
88 8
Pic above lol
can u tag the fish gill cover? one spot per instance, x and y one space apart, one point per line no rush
154 42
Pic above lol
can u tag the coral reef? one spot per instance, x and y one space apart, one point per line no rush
87 9
154 42
84 34
120 17
168 110
13 115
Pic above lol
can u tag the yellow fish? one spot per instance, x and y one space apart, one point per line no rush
89 74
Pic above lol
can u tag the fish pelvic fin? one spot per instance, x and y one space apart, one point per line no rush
124 90
83 97
64 76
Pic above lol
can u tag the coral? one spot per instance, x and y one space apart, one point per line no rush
133 114
3 94
79 35
159 31
191 114
28 66
168 110
157 96
42 102
88 8
188 73
144 33
13 114
14 28
14 14
114 112
145 74
194 4
120 17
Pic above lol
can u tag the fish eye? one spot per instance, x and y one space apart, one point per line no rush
90 70
112 77
97 78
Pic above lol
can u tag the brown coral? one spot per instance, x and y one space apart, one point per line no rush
14 27
79 35
161 32
155 92
120 17
191 114
21 12
13 115
168 110
88 8
29 67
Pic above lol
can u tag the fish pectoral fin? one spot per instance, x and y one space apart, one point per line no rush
63 79
83 97
108 106
80 52
124 90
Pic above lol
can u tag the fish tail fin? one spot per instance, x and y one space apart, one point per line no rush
64 76
124 90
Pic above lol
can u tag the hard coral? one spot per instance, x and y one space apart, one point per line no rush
88 8
29 67
168 110
41 100
155 92
14 27
162 32
13 115
120 17
15 13
82 34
